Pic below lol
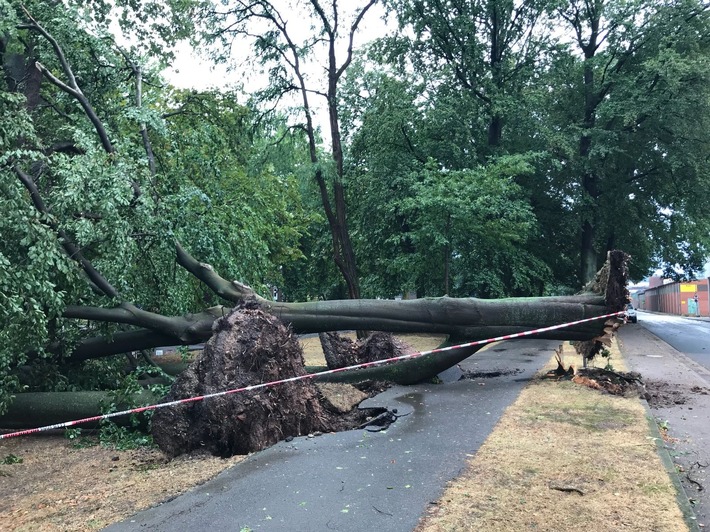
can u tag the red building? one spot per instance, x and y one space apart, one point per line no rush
677 298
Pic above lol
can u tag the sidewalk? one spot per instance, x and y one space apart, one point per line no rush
682 405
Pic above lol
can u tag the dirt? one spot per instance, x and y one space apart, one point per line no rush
473 375
658 394
249 347
59 486
661 394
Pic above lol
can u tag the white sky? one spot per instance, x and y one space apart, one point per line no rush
191 71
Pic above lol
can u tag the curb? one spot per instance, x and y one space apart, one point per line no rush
686 507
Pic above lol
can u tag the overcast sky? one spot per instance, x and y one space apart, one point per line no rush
189 70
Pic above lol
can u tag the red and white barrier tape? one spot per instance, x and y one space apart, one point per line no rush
299 378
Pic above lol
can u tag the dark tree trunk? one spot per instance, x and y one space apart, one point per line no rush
36 409
467 318
588 251
464 320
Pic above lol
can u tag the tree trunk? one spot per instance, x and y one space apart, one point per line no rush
464 320
588 251
35 409
410 371
467 318
460 317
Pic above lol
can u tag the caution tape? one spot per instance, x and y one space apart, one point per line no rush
138 410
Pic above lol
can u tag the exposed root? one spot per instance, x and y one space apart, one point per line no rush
561 372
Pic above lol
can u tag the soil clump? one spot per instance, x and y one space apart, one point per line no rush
341 351
620 383
473 375
662 394
248 347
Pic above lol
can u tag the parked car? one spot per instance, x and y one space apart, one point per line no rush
630 313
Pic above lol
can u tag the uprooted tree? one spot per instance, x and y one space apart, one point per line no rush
250 346
90 266
462 319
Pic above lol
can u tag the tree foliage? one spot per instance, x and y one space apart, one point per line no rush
290 56
610 97
100 176
466 225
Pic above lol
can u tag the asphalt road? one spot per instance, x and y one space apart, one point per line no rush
689 336
359 480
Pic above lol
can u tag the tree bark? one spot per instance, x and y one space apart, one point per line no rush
465 318
589 179
35 409
469 318
405 372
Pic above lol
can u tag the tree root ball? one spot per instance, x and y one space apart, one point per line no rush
247 347
340 351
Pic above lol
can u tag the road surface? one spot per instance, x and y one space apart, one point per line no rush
689 336
678 374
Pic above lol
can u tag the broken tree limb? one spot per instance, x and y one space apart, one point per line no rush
35 409
611 281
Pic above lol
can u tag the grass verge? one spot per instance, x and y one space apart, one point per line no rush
563 457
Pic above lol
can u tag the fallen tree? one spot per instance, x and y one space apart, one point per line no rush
249 347
460 318
106 315
34 409
464 320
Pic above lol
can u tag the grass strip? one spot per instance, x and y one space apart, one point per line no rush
563 457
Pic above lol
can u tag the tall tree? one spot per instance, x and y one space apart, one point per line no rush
91 223
642 75
486 48
440 217
282 46
584 98
467 227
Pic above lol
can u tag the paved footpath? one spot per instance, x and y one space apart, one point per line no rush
359 480
688 419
